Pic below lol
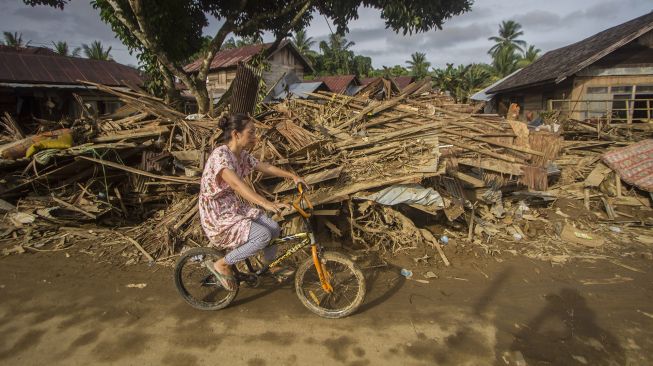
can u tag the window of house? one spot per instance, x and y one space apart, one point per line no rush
597 90
627 89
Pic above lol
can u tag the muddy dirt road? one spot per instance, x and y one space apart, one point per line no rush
62 310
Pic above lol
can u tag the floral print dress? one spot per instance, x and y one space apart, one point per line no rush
226 218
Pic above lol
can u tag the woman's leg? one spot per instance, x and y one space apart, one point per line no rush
259 237
269 253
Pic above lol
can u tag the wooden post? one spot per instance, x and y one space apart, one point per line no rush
550 104
648 109
617 180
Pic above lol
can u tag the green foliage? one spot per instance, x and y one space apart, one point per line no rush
303 42
462 81
509 31
96 51
531 54
168 32
419 67
62 49
15 39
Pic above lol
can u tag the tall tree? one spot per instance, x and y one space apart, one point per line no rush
418 65
303 42
362 65
62 48
509 31
531 54
336 53
505 62
96 51
15 40
169 30
462 81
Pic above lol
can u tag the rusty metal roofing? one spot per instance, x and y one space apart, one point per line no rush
20 67
366 81
403 81
338 83
231 58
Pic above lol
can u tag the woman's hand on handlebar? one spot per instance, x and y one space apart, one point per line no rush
277 207
297 179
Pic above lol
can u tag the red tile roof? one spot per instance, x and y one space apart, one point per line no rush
403 81
338 83
26 67
231 58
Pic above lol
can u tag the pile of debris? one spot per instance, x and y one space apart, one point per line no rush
382 171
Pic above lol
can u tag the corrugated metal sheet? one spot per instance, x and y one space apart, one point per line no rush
231 58
366 81
22 67
339 83
403 81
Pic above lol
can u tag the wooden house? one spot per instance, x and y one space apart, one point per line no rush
222 70
606 76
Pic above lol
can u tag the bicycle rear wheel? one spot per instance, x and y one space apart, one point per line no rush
197 285
346 279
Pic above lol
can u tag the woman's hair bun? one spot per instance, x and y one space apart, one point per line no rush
223 122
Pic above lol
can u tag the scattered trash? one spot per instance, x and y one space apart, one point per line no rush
444 240
517 236
406 273
615 229
430 274
137 285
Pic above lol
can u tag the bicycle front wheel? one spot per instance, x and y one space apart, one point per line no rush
346 279
197 285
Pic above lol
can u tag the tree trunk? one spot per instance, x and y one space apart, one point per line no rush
201 94
172 96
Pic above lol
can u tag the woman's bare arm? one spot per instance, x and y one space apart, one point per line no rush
278 172
246 191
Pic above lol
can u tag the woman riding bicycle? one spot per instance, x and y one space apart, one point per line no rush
229 222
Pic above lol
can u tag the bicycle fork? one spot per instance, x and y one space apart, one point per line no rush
323 273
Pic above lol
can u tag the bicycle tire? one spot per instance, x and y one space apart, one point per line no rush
196 256
306 278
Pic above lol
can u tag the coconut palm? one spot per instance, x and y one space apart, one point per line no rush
337 54
509 31
531 54
62 49
303 42
15 39
96 51
505 62
418 65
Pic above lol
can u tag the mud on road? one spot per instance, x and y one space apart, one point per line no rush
482 311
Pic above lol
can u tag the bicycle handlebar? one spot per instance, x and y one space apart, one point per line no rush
301 187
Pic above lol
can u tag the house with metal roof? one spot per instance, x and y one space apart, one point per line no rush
341 84
36 82
606 76
222 69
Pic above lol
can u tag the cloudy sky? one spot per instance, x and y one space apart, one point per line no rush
547 24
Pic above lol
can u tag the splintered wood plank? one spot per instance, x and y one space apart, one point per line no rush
598 174
493 165
310 179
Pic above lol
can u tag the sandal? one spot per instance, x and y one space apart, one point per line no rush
228 282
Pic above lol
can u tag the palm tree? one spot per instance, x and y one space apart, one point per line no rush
302 42
509 30
418 65
96 51
505 62
62 49
337 54
15 40
529 56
